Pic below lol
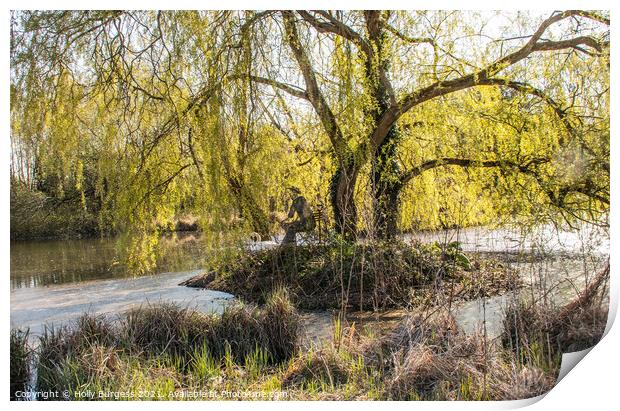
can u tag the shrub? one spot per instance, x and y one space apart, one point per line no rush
36 215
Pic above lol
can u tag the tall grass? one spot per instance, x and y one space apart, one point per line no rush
423 358
93 350
426 357
19 362
167 352
539 333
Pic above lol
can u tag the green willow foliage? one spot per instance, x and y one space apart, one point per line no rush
214 114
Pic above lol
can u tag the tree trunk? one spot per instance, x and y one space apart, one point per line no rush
385 211
249 209
342 191
386 186
385 175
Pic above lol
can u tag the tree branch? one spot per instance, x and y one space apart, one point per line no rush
557 108
464 162
557 196
313 92
407 39
375 25
289 88
441 88
335 26
592 16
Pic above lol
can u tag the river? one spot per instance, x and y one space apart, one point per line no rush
53 282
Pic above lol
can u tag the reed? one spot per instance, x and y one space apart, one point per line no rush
21 356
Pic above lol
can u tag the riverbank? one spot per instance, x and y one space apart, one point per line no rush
337 342
167 352
36 215
362 276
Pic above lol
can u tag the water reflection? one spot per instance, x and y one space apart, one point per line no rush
43 263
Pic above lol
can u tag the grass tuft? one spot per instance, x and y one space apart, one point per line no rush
166 338
321 368
20 362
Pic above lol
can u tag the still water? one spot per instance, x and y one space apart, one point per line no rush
56 281
47 262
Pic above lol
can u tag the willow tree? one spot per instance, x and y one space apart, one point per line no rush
163 103
505 154
397 63
188 107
